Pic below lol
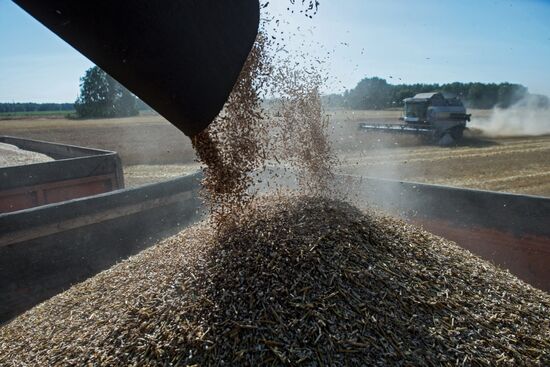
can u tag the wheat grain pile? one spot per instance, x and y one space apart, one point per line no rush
10 155
299 281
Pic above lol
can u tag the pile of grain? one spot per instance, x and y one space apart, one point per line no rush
10 155
300 280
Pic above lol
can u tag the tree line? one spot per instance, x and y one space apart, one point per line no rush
376 93
101 96
35 107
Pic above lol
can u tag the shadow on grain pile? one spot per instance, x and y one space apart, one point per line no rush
299 280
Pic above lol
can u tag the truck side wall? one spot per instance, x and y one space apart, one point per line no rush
45 250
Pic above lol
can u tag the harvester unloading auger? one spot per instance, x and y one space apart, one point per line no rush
182 58
441 116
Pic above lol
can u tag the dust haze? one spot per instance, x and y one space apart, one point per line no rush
525 118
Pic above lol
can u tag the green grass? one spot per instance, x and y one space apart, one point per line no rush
6 115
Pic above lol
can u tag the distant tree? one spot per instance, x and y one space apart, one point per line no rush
102 96
142 106
334 100
481 95
370 94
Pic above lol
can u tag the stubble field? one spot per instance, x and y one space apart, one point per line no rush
152 150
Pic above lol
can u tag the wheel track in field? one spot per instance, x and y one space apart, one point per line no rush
429 154
518 165
525 183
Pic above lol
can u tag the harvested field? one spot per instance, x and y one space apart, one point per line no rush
519 165
159 151
138 140
298 281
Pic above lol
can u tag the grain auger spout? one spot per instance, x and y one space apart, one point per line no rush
182 58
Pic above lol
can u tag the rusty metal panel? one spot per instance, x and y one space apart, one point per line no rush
72 189
18 199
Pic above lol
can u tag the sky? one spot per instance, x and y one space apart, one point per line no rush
430 41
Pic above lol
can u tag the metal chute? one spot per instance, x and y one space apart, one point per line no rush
181 57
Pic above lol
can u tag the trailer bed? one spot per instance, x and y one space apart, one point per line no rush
72 173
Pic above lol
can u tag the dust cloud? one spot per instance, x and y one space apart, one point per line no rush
528 117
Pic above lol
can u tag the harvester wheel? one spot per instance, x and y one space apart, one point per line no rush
457 132
446 140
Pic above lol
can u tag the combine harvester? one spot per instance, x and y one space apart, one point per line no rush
440 116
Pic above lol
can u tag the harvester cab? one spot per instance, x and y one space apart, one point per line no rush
444 112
